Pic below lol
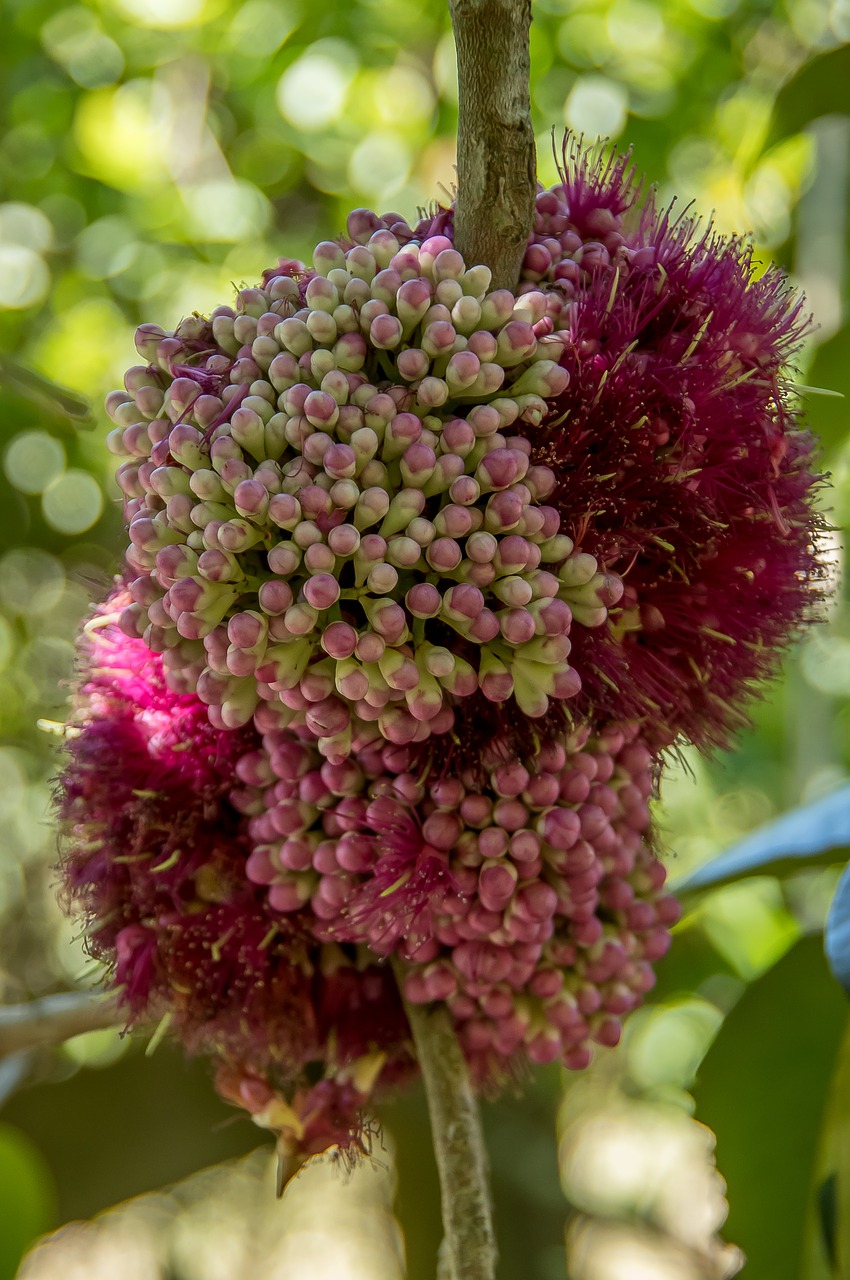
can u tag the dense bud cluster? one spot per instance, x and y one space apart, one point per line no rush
421 578
530 903
325 511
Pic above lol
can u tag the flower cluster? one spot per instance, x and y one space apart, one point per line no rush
421 578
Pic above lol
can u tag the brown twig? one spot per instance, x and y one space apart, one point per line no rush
54 1019
496 158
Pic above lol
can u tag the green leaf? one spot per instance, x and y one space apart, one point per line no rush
26 1194
33 386
817 834
763 1089
818 89
834 1193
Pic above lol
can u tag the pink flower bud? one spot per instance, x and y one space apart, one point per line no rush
318 558
372 506
247 630
403 552
251 499
455 521
559 827
315 501
462 370
457 437
370 646
413 364
382 579
350 351
344 540
321 591
417 464
274 597
385 332
284 510
403 431
339 640
351 681
432 392
517 626
340 461
300 619
499 468
284 558
513 590
423 600
442 830
359 262
439 338
496 885
502 512
462 602
398 726
321 409
484 628
443 555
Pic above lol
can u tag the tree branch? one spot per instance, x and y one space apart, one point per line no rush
496 157
469 1249
53 1019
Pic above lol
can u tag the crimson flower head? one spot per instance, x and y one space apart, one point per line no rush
421 578
682 464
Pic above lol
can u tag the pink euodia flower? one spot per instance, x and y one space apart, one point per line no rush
420 578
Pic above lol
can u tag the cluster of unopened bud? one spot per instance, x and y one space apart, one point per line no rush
330 500
531 903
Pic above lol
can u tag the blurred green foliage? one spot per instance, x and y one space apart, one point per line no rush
154 153
27 1193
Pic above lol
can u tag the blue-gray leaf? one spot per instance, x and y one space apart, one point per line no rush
836 939
817 833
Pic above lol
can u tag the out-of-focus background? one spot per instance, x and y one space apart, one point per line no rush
154 154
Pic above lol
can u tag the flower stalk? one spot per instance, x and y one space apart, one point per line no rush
496 157
497 181
468 1251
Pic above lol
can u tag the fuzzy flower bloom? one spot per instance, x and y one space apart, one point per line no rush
154 858
248 889
680 459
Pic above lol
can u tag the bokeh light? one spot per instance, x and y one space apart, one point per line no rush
73 502
32 460
312 91
31 581
596 106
